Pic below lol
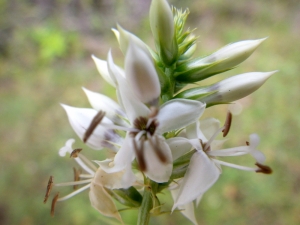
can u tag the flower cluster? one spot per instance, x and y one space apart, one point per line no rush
154 132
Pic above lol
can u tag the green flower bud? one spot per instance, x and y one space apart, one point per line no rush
163 29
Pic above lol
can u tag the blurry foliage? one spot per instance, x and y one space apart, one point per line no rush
45 48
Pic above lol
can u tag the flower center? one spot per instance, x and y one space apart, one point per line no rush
148 125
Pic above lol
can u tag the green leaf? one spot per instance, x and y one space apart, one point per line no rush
129 197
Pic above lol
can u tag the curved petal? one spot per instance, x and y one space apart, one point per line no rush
157 170
103 202
209 126
200 176
179 113
179 146
80 119
258 155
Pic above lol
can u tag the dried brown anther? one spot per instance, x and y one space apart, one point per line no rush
75 152
97 119
263 169
49 187
227 124
247 143
54 200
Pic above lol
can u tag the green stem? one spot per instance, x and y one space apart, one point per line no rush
147 203
169 71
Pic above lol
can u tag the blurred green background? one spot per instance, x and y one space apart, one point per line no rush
45 49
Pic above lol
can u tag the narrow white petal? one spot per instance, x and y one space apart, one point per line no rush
179 146
102 68
242 150
141 74
200 176
179 113
157 170
67 148
258 155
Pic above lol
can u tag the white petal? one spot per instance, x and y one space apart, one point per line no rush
102 68
103 202
133 106
67 148
200 176
193 132
179 113
179 146
156 170
141 74
80 119
209 126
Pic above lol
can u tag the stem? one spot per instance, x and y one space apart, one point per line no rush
147 203
169 71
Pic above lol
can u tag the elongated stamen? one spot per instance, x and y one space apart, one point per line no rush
227 124
74 193
54 200
242 150
84 166
234 165
49 187
156 148
74 182
75 152
263 169
139 152
139 135
96 120
86 176
88 162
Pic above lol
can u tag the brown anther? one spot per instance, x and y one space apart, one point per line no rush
54 200
76 176
140 155
227 124
247 143
204 146
157 149
153 111
97 119
75 152
49 187
263 169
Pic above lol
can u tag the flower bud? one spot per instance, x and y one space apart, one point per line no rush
222 60
236 87
163 30
141 74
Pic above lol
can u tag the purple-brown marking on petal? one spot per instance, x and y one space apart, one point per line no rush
157 149
54 200
139 152
263 169
75 152
96 120
49 187
227 124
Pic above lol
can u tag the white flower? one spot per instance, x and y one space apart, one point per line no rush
98 181
204 169
144 139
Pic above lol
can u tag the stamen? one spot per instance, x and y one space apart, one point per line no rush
157 149
74 193
263 169
76 176
227 124
54 200
207 145
49 187
247 143
96 120
74 182
75 152
234 165
139 152
88 162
